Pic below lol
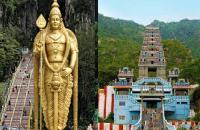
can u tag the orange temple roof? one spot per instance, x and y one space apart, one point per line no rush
182 87
122 87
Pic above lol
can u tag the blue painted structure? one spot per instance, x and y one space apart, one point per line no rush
127 106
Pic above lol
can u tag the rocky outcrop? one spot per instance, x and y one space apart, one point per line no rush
78 15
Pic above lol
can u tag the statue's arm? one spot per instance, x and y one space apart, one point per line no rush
73 48
73 57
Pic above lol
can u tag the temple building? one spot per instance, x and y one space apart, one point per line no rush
154 99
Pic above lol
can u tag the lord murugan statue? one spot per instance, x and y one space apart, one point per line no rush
55 56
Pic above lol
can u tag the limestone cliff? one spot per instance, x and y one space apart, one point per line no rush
78 15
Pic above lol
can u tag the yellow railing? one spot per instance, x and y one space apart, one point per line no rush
23 108
30 117
18 97
10 90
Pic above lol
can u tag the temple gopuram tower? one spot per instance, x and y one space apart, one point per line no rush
152 60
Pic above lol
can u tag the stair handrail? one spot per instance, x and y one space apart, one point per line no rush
166 123
18 96
10 90
22 113
30 116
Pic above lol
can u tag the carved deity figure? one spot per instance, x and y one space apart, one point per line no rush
55 52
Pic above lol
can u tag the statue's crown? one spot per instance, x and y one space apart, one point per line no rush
55 9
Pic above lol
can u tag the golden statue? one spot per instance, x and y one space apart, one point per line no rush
55 52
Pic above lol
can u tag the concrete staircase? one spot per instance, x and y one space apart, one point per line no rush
18 106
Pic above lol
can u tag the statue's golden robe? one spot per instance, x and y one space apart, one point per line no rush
48 72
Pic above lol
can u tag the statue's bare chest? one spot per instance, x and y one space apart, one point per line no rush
55 46
55 38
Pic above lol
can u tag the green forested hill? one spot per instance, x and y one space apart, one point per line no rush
186 31
120 43
121 29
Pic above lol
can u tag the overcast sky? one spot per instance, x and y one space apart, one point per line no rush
145 11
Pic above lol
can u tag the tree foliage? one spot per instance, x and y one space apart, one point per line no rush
9 54
191 71
176 54
114 54
11 5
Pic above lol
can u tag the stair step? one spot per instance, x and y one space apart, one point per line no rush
21 82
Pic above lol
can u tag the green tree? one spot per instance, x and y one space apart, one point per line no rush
114 54
176 54
9 54
191 71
